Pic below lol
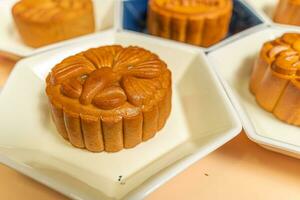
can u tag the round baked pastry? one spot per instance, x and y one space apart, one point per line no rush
275 78
42 22
110 98
198 22
288 12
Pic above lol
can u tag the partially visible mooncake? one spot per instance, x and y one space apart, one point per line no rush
275 78
197 22
288 12
110 98
42 22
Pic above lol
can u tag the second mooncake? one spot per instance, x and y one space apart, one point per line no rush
198 22
43 22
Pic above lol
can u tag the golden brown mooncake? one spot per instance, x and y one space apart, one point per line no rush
42 22
197 22
275 80
110 98
288 12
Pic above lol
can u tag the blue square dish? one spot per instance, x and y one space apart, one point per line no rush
135 14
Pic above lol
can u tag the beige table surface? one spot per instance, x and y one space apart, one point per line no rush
240 170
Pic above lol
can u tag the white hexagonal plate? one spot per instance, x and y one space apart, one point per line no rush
202 119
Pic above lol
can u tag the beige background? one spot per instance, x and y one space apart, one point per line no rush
239 170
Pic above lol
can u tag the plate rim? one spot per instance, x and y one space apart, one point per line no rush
244 118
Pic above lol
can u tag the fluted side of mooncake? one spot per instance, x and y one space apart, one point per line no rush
42 22
197 22
110 98
288 12
275 78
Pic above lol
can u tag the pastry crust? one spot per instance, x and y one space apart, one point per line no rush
110 98
288 12
198 22
42 22
275 80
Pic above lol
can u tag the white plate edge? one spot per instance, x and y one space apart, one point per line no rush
39 177
247 125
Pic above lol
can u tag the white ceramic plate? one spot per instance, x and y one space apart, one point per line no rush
10 40
234 63
202 119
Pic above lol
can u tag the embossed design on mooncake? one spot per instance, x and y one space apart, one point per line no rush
191 3
107 77
45 10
